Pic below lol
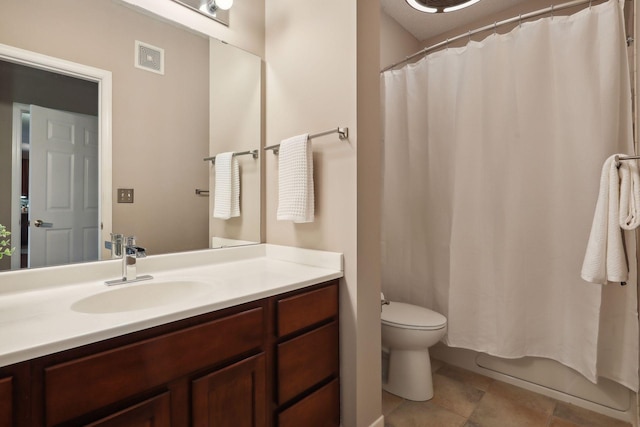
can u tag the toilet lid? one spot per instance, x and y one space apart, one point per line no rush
411 316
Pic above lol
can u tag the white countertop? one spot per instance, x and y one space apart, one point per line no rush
43 311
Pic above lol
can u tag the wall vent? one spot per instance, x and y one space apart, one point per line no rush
150 58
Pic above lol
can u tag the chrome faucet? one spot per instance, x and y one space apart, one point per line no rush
130 253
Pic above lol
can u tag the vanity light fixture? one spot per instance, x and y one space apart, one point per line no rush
440 6
212 5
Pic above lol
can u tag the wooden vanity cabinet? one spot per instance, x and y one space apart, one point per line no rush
145 379
261 364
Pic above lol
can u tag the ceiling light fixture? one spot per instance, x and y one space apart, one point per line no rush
440 6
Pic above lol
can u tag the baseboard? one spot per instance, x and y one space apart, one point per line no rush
379 422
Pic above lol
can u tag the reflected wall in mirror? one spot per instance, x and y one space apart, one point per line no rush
234 123
160 123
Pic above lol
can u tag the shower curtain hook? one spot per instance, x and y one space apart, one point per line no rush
495 27
552 12
469 36
447 44
520 21
590 4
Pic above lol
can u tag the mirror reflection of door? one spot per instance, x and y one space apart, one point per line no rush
59 204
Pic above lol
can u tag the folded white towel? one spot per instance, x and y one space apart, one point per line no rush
295 180
605 259
227 187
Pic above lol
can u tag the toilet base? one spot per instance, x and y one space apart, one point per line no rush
409 375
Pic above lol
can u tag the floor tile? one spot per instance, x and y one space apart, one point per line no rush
532 400
390 402
466 399
497 411
584 417
559 422
423 414
478 381
455 396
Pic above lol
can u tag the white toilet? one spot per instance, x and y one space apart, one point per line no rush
407 333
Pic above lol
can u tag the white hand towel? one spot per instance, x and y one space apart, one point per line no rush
227 187
295 180
605 259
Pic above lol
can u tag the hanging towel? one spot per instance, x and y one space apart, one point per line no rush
295 180
227 187
605 259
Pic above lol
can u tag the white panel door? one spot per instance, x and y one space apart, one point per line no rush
63 188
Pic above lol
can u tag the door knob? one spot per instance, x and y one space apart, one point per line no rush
41 223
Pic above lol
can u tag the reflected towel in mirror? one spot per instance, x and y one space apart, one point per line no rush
227 187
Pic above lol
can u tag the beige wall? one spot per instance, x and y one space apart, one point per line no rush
160 123
321 73
396 43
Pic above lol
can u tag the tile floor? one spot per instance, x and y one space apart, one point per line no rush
466 399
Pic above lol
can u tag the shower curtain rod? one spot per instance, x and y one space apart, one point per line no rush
493 26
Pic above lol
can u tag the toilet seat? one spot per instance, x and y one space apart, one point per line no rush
409 316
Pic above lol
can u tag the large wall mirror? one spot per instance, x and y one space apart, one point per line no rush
203 98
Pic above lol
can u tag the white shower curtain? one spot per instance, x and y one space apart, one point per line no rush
492 164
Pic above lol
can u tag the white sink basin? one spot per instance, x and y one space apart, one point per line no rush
140 296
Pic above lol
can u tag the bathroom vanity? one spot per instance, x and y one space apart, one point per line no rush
246 354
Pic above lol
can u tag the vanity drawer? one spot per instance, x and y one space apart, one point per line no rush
319 409
302 310
307 360
86 384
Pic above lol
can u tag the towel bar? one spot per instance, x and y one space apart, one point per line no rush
343 133
254 154
618 159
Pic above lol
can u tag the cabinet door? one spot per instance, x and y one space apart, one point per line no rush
234 396
6 401
154 412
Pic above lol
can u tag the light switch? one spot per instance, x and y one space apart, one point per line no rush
125 195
